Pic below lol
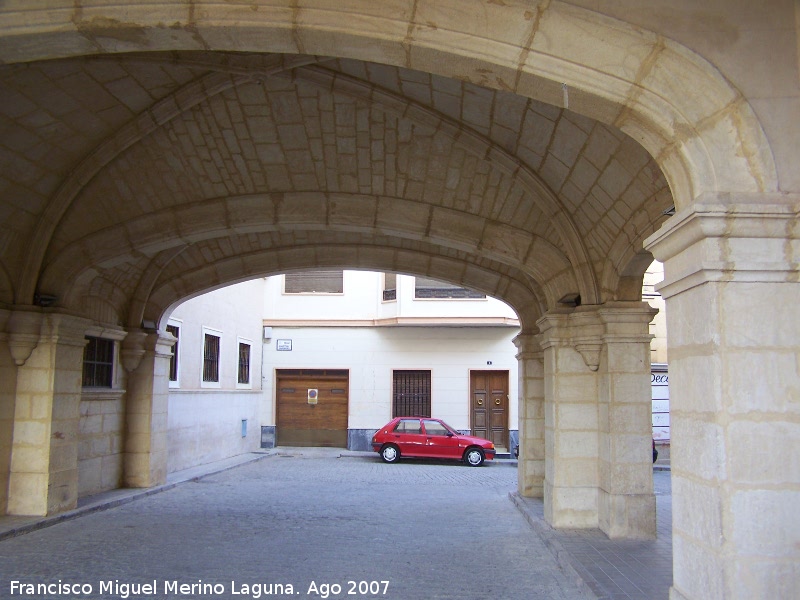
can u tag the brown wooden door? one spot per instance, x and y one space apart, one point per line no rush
489 406
311 419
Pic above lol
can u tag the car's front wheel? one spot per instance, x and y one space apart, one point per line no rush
474 457
390 453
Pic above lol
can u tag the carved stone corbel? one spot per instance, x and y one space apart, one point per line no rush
132 350
590 352
24 332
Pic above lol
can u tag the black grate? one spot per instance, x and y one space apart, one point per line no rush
244 363
211 358
98 362
412 394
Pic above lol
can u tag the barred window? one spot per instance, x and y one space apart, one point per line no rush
320 281
411 394
173 360
431 288
244 363
211 358
98 363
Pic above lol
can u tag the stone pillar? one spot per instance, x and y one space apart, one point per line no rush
627 505
8 392
571 427
732 294
530 476
146 357
44 460
598 436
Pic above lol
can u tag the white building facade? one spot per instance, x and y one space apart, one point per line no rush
334 355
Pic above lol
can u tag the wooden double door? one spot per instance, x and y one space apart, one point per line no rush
312 408
489 407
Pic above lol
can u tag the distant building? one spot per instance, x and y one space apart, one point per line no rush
343 352
659 378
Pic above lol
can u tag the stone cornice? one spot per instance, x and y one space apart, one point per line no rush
727 238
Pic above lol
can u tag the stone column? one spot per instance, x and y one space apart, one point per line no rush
8 392
146 358
598 437
571 427
627 505
530 476
732 294
44 460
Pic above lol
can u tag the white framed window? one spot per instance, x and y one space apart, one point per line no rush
427 288
210 374
317 281
244 375
98 362
389 287
174 327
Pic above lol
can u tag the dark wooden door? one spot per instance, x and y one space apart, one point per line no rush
311 409
489 406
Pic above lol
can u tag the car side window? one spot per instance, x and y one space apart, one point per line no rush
434 428
408 426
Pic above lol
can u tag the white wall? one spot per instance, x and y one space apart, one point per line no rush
372 353
205 423
362 300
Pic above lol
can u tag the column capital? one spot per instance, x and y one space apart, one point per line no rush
26 326
730 237
588 328
528 347
138 342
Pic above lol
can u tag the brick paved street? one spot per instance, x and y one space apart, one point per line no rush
297 517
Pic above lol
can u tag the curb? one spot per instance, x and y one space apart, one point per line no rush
564 559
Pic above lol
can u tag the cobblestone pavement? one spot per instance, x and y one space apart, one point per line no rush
614 569
309 519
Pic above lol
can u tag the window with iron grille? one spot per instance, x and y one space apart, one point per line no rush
211 358
98 363
173 359
411 394
431 288
320 281
244 363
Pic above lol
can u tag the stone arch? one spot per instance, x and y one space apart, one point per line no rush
513 288
701 130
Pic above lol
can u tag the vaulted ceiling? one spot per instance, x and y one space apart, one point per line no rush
128 182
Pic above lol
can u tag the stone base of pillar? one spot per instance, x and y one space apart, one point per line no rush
631 516
570 507
144 470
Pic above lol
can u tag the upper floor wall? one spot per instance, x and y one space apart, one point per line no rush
362 301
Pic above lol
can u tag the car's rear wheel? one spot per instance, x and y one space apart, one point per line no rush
474 457
390 453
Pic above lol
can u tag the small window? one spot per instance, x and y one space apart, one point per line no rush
434 428
211 358
173 360
98 363
411 393
389 287
408 426
431 288
321 281
244 364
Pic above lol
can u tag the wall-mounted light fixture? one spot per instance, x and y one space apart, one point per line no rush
44 300
572 299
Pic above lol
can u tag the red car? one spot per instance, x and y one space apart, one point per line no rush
423 437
